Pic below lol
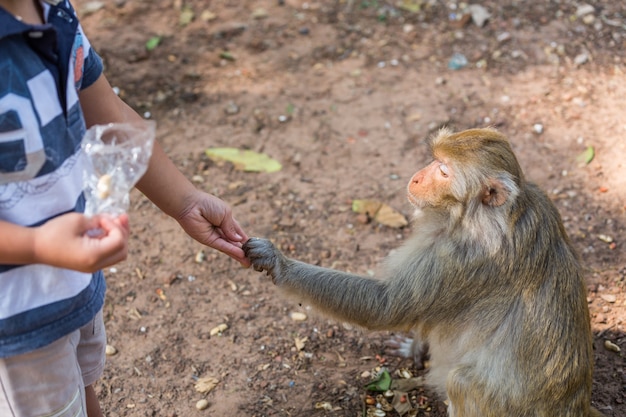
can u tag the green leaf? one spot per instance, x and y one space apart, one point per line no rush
244 160
153 42
227 56
587 156
381 384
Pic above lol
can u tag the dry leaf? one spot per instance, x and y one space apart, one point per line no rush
186 16
206 384
390 217
380 212
407 385
300 342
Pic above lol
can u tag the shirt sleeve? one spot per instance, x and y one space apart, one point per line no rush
92 68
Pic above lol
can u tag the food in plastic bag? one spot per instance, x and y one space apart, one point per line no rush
117 156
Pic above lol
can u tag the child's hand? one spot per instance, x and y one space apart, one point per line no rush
210 221
76 242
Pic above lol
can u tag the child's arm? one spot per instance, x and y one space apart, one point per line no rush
203 216
64 242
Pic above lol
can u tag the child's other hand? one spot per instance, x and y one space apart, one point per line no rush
76 242
210 221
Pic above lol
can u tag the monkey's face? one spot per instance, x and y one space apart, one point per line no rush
430 187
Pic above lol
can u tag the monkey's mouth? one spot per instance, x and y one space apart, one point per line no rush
416 202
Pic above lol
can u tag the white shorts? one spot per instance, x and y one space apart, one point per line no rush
51 381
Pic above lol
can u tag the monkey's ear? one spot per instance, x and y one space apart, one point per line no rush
496 193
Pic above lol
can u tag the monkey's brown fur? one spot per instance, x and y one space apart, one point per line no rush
489 281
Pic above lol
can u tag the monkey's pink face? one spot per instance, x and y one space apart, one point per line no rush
431 185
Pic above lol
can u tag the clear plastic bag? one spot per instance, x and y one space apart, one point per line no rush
117 156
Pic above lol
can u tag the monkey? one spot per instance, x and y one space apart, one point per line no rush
489 284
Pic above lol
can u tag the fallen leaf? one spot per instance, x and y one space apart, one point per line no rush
369 207
206 384
244 160
227 56
411 6
153 42
186 16
381 384
380 212
390 217
407 385
586 157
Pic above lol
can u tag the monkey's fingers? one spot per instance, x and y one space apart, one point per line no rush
246 246
399 346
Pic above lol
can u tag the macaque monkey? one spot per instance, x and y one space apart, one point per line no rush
489 282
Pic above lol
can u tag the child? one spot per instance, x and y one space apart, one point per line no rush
51 288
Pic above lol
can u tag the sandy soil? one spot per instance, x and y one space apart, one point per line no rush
343 94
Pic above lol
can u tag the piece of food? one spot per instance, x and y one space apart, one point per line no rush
103 187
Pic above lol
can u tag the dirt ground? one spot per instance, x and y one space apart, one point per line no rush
343 94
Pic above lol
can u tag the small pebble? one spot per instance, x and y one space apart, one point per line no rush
218 329
584 9
202 404
297 316
110 350
581 59
231 108
200 257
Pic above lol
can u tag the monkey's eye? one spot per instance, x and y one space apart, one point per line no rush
443 168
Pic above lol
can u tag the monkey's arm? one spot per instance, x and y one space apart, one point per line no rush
352 298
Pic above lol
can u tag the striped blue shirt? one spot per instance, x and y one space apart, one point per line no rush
42 69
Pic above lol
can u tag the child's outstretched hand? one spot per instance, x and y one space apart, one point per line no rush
210 221
81 243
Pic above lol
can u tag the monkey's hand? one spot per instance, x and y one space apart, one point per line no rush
265 256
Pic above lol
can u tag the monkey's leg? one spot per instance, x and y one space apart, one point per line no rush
468 396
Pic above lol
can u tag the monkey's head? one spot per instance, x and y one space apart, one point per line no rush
474 178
